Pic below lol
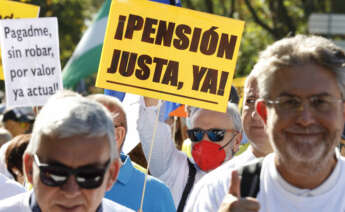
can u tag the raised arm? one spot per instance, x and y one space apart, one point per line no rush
164 154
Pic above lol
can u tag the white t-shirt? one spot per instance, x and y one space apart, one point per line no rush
277 195
208 193
9 187
20 203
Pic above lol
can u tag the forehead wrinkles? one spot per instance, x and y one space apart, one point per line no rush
251 89
252 92
291 80
208 117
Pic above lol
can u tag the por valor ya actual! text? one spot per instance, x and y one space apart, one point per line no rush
35 91
160 32
28 32
166 72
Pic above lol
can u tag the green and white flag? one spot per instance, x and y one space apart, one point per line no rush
86 56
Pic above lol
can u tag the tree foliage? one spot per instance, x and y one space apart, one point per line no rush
266 21
72 16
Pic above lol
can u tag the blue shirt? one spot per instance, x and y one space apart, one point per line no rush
128 189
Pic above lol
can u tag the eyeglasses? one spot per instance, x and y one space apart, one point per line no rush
214 134
86 177
249 104
321 104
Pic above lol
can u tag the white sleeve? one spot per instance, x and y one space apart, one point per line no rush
167 163
164 151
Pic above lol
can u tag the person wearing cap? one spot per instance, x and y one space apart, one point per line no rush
18 121
215 138
71 160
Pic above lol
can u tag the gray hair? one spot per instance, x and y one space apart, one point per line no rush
112 104
232 111
300 50
73 116
253 75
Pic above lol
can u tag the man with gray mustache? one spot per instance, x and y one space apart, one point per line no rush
302 88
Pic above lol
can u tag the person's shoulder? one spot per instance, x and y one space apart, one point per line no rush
158 195
109 206
156 185
9 187
16 203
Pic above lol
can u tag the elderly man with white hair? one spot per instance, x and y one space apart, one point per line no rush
302 89
215 137
209 192
71 160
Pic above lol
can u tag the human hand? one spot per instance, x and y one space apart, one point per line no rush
233 202
150 101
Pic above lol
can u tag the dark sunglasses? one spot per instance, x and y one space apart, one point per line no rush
214 134
57 175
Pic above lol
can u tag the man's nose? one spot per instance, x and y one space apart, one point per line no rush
255 115
305 115
71 187
205 137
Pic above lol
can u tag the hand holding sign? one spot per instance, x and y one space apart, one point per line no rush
233 202
150 101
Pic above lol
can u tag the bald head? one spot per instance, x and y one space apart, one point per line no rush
117 112
114 106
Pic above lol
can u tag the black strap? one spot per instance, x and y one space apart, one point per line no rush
172 2
188 187
250 181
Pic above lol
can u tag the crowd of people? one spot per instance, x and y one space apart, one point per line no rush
68 156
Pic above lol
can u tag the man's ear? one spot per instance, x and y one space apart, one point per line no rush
114 170
120 133
237 142
28 166
261 109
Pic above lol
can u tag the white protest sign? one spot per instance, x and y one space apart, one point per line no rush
31 60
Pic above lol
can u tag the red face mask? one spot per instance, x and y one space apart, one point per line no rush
208 155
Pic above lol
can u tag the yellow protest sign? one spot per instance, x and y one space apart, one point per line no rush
12 10
239 85
170 53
